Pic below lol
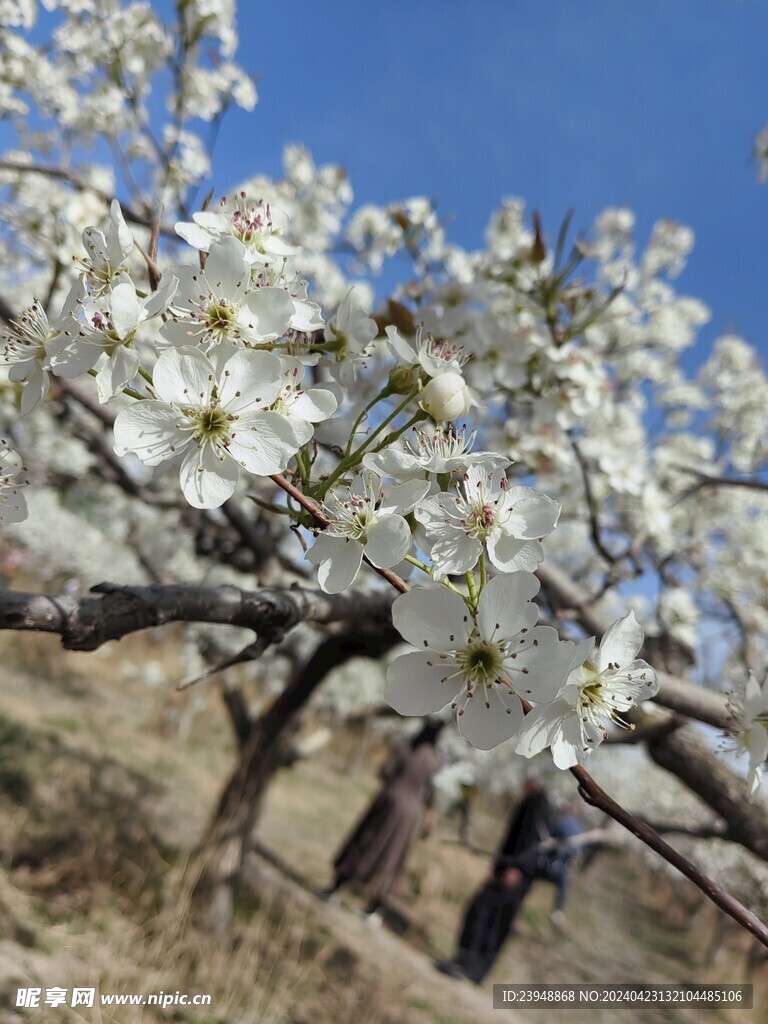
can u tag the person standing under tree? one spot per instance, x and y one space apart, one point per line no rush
489 916
375 853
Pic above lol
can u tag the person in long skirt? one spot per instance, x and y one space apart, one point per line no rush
491 912
375 852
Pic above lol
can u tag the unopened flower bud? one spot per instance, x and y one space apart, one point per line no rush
446 397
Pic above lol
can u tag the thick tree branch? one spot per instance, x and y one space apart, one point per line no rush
112 611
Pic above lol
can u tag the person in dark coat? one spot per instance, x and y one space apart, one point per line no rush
375 853
491 912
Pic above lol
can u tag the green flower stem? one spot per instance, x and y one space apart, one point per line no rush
302 467
470 578
126 391
353 460
483 572
390 438
385 423
419 565
380 397
446 582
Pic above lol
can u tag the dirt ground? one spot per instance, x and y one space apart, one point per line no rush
107 781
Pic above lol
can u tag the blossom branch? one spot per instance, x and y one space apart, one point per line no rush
593 794
322 520
676 694
70 177
705 480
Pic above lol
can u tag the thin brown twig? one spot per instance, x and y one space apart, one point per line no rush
597 797
72 178
322 520
707 480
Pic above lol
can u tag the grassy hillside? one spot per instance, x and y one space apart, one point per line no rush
106 783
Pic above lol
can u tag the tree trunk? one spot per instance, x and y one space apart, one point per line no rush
265 749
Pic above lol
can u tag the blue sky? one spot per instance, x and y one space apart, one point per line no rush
649 103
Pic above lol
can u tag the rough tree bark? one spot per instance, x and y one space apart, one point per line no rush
263 751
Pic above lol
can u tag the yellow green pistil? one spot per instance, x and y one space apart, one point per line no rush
354 518
220 317
210 425
596 699
481 661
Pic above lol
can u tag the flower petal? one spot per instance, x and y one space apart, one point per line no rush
535 514
509 554
13 506
402 498
183 376
227 271
158 301
505 608
454 554
250 379
314 405
388 541
432 617
124 309
541 726
339 560
486 727
151 430
621 643
117 373
207 478
541 665
263 443
415 684
270 311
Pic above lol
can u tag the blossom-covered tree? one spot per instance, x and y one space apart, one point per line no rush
510 440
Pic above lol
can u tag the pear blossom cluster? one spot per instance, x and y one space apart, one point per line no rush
523 404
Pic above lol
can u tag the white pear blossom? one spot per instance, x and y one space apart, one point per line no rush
257 224
27 346
603 685
480 664
217 308
349 334
218 421
366 522
486 512
13 504
108 250
433 355
434 454
751 730
302 408
107 324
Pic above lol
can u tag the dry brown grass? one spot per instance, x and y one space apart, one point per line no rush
100 802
